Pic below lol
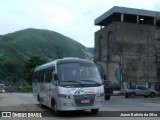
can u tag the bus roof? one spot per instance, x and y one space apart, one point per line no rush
45 66
64 60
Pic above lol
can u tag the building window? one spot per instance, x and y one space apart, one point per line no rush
100 48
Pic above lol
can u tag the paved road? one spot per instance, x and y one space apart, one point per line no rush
25 102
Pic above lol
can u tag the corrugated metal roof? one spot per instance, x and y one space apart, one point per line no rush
132 11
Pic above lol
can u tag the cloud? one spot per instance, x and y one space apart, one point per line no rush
73 18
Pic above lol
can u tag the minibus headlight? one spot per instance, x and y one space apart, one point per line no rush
100 94
64 96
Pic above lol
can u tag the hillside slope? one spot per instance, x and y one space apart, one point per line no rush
18 47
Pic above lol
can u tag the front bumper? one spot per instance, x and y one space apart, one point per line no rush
70 104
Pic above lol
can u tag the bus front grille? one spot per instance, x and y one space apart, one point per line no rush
84 100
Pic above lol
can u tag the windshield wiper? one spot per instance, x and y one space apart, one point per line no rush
92 81
74 81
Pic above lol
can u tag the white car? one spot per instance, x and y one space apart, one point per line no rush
139 90
2 88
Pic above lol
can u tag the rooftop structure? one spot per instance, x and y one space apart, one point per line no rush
124 14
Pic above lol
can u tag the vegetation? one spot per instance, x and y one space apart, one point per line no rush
18 47
29 68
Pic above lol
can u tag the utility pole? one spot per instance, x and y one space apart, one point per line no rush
147 63
121 68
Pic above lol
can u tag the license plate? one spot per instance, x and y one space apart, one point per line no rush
85 101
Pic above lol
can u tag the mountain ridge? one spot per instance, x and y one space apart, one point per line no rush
17 47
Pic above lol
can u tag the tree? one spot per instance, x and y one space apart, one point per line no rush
29 67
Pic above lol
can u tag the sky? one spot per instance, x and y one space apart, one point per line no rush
72 18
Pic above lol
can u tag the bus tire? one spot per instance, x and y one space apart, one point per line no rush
94 111
54 107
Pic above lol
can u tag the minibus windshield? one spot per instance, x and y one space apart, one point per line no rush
86 74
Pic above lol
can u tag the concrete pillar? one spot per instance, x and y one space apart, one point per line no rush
137 19
122 17
154 20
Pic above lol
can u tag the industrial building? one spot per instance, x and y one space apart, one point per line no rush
129 37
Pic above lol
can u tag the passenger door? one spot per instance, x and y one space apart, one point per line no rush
142 90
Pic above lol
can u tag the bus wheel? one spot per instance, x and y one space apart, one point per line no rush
94 111
54 108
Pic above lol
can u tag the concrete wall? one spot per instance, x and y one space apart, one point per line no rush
126 43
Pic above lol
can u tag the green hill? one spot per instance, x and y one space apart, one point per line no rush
16 48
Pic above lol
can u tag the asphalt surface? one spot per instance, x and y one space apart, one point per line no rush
24 102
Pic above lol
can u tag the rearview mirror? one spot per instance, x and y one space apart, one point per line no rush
103 77
103 81
54 82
